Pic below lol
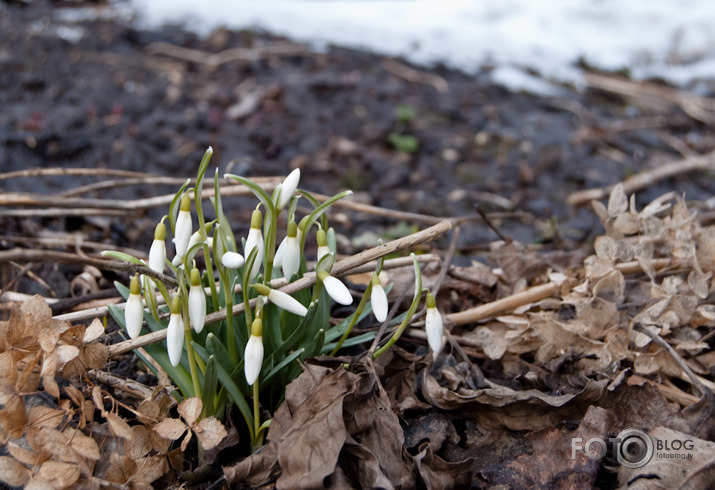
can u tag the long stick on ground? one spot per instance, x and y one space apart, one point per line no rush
646 178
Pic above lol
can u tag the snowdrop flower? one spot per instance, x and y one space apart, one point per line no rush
253 356
433 325
335 288
197 302
322 240
255 240
378 298
290 260
134 309
281 299
182 234
175 332
157 251
232 260
286 189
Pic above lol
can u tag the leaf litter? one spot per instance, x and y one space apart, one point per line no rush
500 406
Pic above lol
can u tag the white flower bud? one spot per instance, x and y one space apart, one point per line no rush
197 302
175 333
134 309
253 356
255 240
281 300
287 188
232 260
157 251
182 234
433 325
378 298
335 288
290 262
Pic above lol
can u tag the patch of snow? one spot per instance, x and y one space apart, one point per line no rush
672 39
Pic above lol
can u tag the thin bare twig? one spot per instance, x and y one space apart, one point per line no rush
646 178
23 254
676 357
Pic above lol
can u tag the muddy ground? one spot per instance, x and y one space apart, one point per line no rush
80 88
100 93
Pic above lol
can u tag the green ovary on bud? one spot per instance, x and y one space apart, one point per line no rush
175 332
322 239
253 356
197 302
378 298
433 325
335 288
134 309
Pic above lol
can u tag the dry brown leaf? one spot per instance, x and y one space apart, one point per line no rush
119 426
12 472
62 474
13 417
617 201
548 462
30 458
210 432
41 416
94 356
170 429
190 410
66 353
140 445
94 331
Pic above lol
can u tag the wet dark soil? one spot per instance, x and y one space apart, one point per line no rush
81 88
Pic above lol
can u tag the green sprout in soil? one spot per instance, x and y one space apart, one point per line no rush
248 357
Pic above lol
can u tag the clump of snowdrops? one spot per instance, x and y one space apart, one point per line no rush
255 348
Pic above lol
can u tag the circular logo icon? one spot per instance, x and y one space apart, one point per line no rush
634 448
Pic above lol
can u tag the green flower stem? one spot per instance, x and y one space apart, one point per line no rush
230 333
353 321
257 441
192 357
210 271
410 312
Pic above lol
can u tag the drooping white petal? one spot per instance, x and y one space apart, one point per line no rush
291 257
197 308
253 358
287 302
183 233
157 256
278 257
378 298
435 330
255 240
134 315
175 338
337 290
288 187
232 260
